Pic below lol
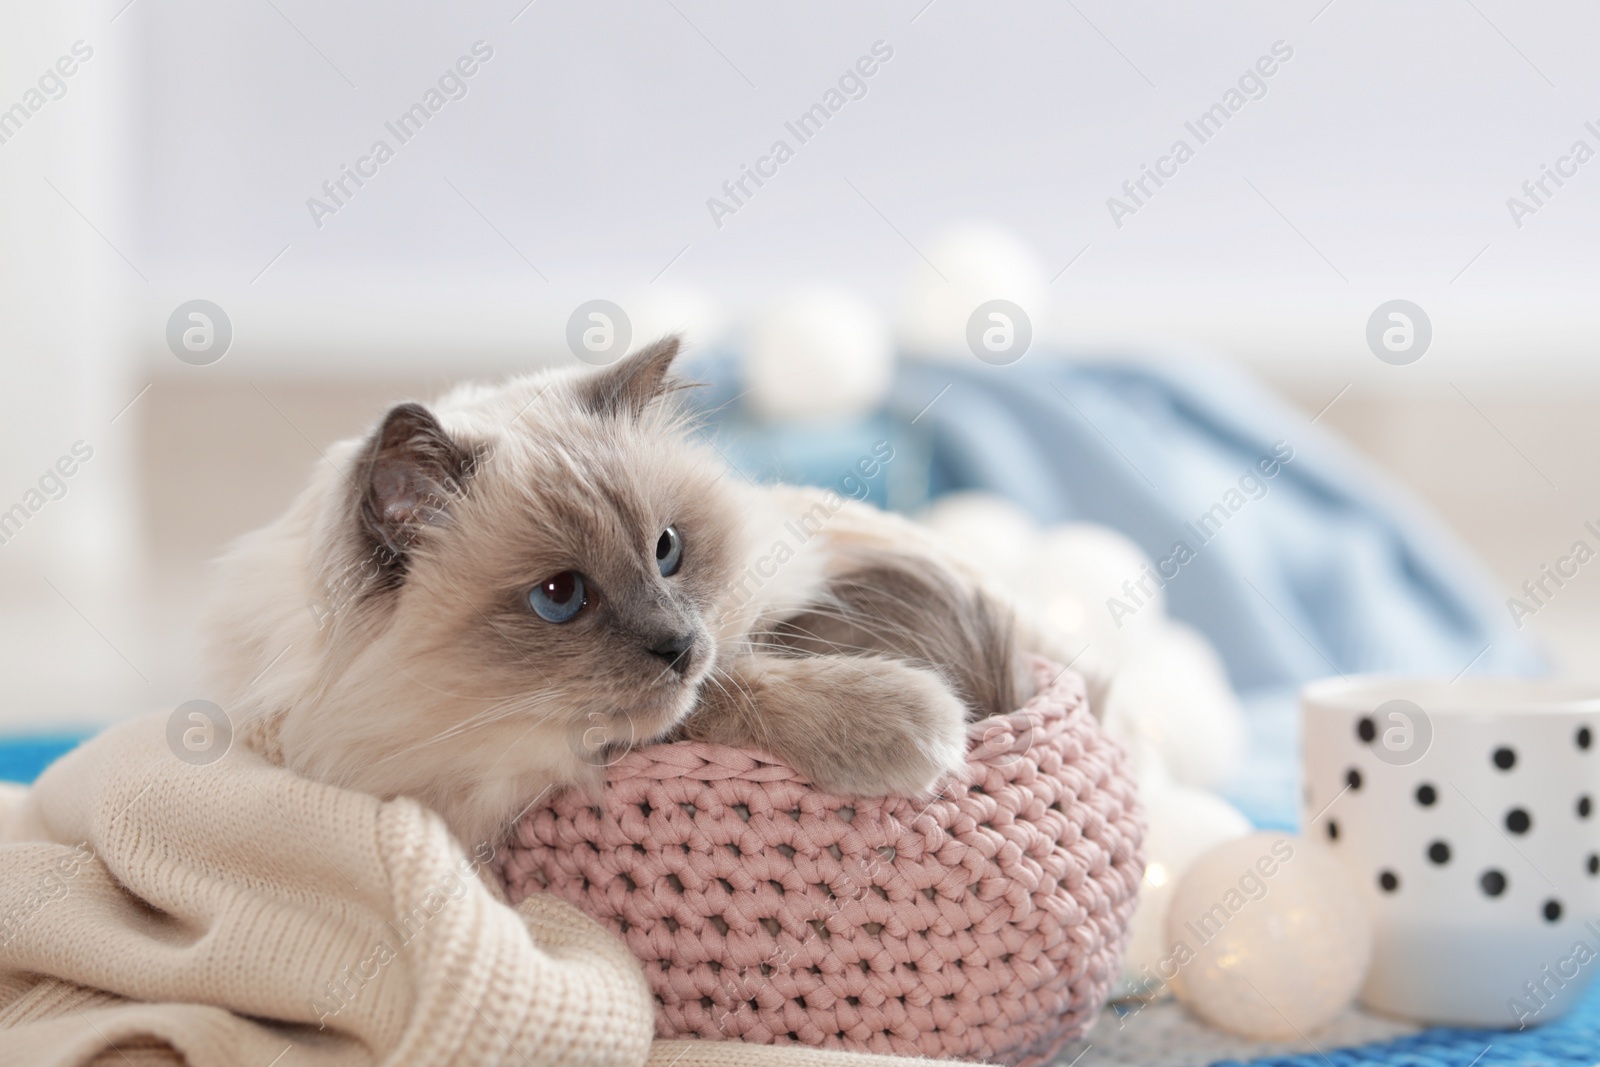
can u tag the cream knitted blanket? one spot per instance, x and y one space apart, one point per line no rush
156 912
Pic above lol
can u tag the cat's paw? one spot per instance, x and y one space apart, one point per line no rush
854 725
903 732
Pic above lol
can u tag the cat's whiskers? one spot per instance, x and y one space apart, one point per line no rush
744 705
508 708
533 724
781 637
662 677
850 614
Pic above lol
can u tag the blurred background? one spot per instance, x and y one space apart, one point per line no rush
200 151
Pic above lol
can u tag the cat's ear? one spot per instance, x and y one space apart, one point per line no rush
411 476
627 388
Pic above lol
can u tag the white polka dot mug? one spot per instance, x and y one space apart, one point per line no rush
1467 811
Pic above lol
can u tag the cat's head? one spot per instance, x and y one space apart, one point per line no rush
500 590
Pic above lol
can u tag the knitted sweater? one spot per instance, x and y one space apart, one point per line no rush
157 912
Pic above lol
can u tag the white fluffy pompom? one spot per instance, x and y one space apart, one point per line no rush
667 309
1159 685
995 535
1172 691
981 262
1183 824
1077 569
820 353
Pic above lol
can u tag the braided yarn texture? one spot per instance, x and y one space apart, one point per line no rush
988 922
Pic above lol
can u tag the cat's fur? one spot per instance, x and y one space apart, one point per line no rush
378 635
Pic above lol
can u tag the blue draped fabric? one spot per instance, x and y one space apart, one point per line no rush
1325 567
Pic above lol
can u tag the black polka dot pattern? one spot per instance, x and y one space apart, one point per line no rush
1517 819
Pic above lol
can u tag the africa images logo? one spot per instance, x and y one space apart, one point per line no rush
452 85
852 85
52 85
1252 85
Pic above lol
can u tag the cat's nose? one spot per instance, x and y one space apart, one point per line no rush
674 648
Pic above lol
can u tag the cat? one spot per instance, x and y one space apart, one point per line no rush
486 600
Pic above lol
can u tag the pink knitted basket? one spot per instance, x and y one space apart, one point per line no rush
989 923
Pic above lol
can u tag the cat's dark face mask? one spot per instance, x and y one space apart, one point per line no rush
566 570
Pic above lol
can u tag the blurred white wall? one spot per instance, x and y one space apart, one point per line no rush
1377 164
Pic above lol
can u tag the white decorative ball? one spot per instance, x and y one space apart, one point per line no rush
820 353
1079 569
1268 937
1172 690
995 535
666 308
979 262
1182 825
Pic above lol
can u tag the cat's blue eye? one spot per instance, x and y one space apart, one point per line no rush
558 598
669 551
